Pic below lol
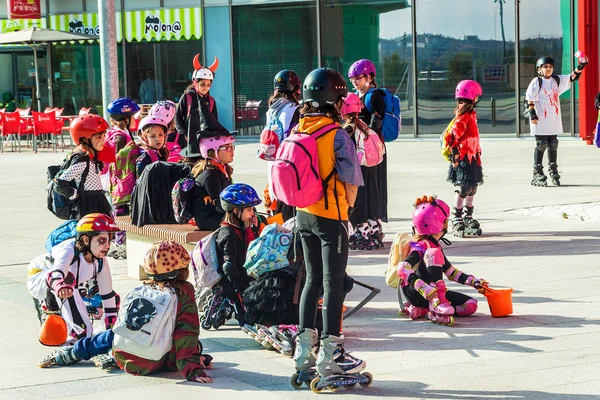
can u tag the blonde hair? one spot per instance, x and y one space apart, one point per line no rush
204 163
121 124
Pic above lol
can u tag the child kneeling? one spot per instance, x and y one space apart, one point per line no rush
167 292
421 271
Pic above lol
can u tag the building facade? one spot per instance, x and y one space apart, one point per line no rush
422 49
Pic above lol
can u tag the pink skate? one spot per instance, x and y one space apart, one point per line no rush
414 312
440 319
439 304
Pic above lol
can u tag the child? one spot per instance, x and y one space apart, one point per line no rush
234 235
175 142
465 163
167 266
121 112
152 134
362 75
283 114
324 232
74 264
421 272
543 103
196 97
81 180
365 213
212 174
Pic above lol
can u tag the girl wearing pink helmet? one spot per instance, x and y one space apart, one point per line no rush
366 213
465 169
165 109
362 76
421 271
152 135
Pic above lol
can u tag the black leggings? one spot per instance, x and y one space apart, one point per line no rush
415 298
542 143
325 245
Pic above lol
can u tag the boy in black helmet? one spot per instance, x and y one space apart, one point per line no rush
543 110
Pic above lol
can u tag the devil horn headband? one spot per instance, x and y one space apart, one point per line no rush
198 66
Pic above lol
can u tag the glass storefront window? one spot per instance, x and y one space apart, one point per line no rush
141 4
379 31
65 6
545 31
77 77
266 39
476 43
166 64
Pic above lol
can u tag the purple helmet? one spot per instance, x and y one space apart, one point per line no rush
361 67
429 215
468 89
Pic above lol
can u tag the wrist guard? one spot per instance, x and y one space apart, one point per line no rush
57 281
582 65
531 114
577 76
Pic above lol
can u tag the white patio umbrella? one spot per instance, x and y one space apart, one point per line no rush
35 37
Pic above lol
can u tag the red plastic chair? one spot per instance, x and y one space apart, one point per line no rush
2 110
84 111
46 123
11 125
23 111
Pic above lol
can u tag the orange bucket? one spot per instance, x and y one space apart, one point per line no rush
499 300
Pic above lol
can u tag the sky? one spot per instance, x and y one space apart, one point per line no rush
478 17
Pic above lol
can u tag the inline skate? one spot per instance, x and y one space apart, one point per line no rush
305 358
217 311
61 357
105 361
443 312
553 172
376 233
360 239
413 312
539 179
458 224
337 368
281 337
471 225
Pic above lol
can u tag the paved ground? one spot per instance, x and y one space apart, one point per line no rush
546 350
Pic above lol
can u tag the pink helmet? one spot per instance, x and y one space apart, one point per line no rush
351 104
468 89
213 143
164 109
361 67
429 215
152 120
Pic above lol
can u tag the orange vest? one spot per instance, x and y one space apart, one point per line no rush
326 165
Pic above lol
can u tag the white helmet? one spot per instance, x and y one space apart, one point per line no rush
164 109
201 72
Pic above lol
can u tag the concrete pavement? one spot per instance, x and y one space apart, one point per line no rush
546 350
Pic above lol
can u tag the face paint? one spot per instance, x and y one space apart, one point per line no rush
99 245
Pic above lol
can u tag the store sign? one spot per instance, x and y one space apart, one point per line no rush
24 9
9 25
494 73
162 24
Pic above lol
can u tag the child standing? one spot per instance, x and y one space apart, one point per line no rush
152 134
421 272
81 180
166 264
121 112
465 169
175 142
543 104
365 213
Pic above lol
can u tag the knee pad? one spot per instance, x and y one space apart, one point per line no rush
467 308
463 191
541 145
473 190
553 145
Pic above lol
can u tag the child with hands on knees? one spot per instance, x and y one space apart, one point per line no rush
421 272
166 264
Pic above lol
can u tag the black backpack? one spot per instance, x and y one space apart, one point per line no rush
539 78
58 204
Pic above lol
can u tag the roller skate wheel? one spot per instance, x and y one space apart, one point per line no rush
313 385
46 363
479 232
451 323
296 384
205 325
368 375
352 385
332 388
352 247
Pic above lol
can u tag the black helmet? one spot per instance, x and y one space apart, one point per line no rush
324 86
544 60
287 81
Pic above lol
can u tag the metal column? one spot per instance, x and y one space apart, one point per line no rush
108 51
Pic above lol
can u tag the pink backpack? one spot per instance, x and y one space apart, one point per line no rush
295 171
369 147
174 150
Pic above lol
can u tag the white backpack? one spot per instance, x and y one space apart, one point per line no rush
146 322
204 263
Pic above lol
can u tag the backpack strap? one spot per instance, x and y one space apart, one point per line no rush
152 155
211 103
325 129
555 77
188 100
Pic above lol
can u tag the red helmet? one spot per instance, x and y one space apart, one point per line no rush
95 223
85 126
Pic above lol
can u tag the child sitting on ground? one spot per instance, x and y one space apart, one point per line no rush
421 272
152 133
166 264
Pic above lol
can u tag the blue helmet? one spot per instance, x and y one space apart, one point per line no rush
122 108
239 195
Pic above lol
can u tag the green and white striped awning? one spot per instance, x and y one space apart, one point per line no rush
11 25
157 25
